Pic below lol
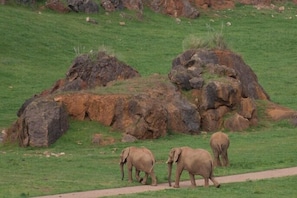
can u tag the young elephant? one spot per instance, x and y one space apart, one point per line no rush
219 143
142 159
195 161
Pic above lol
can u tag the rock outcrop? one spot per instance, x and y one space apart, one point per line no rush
220 84
147 113
87 6
42 120
40 124
175 8
206 90
90 70
57 5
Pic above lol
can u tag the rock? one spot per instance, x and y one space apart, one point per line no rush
91 70
87 6
247 108
182 115
277 112
236 123
146 114
111 5
40 125
136 5
175 8
204 4
57 5
128 138
250 86
220 83
97 139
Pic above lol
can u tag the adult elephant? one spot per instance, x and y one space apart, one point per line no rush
219 143
140 158
195 161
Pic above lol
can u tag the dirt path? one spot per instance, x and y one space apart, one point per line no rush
137 189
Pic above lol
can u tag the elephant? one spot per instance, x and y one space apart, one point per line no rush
219 143
195 161
142 159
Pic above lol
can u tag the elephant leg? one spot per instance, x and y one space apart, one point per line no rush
130 173
144 179
225 158
192 178
177 177
206 182
215 182
137 172
154 180
216 160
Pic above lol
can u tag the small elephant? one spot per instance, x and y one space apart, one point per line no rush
219 143
142 159
195 161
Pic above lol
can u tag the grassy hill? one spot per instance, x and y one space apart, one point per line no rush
38 46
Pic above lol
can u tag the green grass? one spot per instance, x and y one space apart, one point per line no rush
37 49
281 187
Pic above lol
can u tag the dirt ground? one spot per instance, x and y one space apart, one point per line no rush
137 189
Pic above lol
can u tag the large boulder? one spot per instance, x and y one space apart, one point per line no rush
220 84
57 5
175 8
87 6
136 5
111 5
42 122
90 70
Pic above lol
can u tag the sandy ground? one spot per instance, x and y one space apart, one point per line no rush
137 189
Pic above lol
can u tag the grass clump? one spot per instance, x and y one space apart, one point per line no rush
213 40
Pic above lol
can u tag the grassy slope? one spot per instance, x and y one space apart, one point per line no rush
37 49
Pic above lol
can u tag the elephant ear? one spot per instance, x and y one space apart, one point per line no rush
125 154
177 153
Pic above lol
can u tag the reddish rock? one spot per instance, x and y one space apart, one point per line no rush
220 83
237 123
57 5
147 114
136 5
277 112
175 8
247 108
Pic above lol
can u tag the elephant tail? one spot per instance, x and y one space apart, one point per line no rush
220 148
153 164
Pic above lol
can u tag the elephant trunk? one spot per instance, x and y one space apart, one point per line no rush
169 172
122 169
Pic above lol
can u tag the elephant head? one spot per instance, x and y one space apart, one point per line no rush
123 159
173 157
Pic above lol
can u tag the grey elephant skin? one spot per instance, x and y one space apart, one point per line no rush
140 158
195 161
219 143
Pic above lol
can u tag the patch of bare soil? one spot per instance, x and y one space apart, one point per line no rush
138 189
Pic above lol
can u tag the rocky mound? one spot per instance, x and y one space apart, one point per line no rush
175 8
221 85
205 90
